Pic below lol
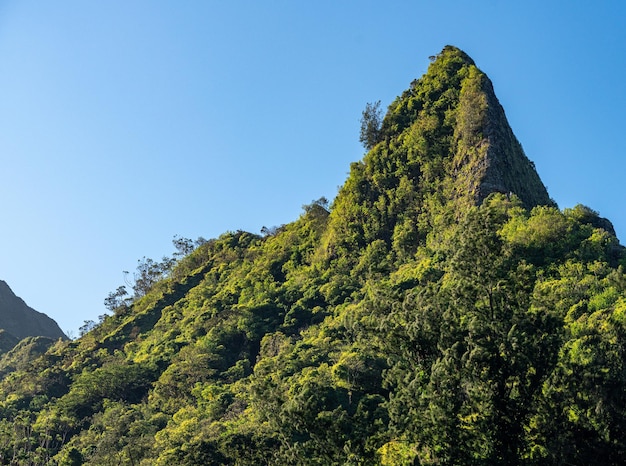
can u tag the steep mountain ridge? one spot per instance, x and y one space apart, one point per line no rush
442 311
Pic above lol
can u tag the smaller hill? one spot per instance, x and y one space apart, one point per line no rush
22 353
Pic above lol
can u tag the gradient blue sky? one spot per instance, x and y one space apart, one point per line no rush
124 123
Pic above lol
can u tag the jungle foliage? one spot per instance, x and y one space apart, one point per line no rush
429 316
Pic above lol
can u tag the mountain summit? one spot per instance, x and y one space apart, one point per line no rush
482 154
444 145
452 114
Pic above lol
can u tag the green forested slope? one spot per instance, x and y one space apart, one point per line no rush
441 311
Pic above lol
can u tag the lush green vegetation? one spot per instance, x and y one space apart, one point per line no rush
442 311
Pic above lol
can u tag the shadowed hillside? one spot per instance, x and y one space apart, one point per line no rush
20 321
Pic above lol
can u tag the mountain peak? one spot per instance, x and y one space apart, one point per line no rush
456 103
451 50
444 145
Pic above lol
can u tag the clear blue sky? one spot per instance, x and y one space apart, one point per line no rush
126 123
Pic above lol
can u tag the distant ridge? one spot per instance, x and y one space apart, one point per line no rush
19 320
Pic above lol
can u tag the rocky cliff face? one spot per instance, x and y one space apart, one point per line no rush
20 321
486 156
507 169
